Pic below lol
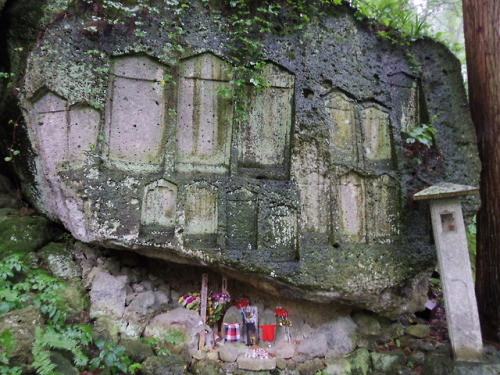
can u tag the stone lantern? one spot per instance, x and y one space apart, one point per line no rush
454 263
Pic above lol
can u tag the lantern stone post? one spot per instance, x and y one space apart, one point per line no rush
455 269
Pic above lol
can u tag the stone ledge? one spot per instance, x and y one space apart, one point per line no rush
256 364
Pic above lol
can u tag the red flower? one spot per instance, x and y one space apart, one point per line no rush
282 313
241 303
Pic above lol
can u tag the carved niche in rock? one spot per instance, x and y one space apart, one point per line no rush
343 129
241 212
51 126
352 209
375 127
204 115
264 137
383 213
84 124
410 109
201 214
135 115
314 193
159 205
63 134
368 208
278 230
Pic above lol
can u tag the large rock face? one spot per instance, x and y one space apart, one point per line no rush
136 146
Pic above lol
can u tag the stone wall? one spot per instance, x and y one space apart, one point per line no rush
307 196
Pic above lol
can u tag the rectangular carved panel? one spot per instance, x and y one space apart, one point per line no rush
264 136
159 204
375 125
351 197
343 138
135 123
241 221
51 125
83 131
278 231
204 116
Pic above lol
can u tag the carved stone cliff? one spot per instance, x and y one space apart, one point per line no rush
135 146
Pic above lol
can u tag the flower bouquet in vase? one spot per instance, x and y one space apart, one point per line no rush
283 317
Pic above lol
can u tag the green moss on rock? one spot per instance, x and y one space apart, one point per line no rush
59 260
23 234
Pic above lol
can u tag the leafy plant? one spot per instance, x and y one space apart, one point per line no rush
471 244
423 133
11 297
400 18
158 345
420 140
113 357
7 344
44 292
71 338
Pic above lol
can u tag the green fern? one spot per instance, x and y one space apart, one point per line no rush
7 344
71 339
42 362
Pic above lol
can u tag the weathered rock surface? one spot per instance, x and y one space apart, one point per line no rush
22 324
207 368
59 261
341 335
180 319
310 367
314 346
388 363
24 234
308 195
137 313
107 295
136 350
169 365
229 352
419 330
283 349
340 366
256 364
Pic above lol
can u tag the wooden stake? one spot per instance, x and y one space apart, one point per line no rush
203 308
224 284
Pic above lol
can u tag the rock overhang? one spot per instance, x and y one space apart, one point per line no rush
307 195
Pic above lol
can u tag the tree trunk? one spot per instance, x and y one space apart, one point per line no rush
482 44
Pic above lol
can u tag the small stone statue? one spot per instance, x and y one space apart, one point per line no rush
250 320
